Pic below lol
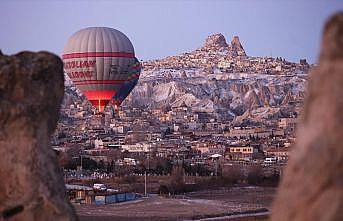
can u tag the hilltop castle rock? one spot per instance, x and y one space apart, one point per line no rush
312 184
217 42
31 91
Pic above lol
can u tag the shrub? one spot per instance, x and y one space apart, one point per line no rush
255 175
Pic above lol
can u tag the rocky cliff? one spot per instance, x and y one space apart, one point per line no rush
31 90
215 42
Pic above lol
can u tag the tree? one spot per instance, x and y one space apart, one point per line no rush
87 163
255 175
163 189
232 174
177 177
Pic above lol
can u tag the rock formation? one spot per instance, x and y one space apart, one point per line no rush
215 42
31 90
312 188
236 47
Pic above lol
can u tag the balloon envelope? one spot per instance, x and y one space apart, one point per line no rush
99 61
128 86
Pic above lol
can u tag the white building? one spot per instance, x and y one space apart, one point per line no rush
98 143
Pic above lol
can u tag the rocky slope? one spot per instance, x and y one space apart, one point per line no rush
197 80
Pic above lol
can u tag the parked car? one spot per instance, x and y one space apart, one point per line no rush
99 186
270 160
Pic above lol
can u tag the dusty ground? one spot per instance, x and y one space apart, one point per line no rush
243 198
190 206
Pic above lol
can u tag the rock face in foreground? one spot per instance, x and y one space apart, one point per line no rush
31 185
312 188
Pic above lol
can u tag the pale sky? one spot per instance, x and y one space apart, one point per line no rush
290 28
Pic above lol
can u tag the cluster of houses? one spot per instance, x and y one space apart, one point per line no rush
194 137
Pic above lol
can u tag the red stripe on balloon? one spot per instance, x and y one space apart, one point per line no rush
98 54
99 82
105 81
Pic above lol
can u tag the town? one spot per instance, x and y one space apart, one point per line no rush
187 140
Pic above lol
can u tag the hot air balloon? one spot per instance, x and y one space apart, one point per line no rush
128 86
99 61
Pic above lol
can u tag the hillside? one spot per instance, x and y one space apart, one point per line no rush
220 78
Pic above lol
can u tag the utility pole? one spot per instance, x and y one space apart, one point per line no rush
81 153
145 194
145 177
81 163
216 167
